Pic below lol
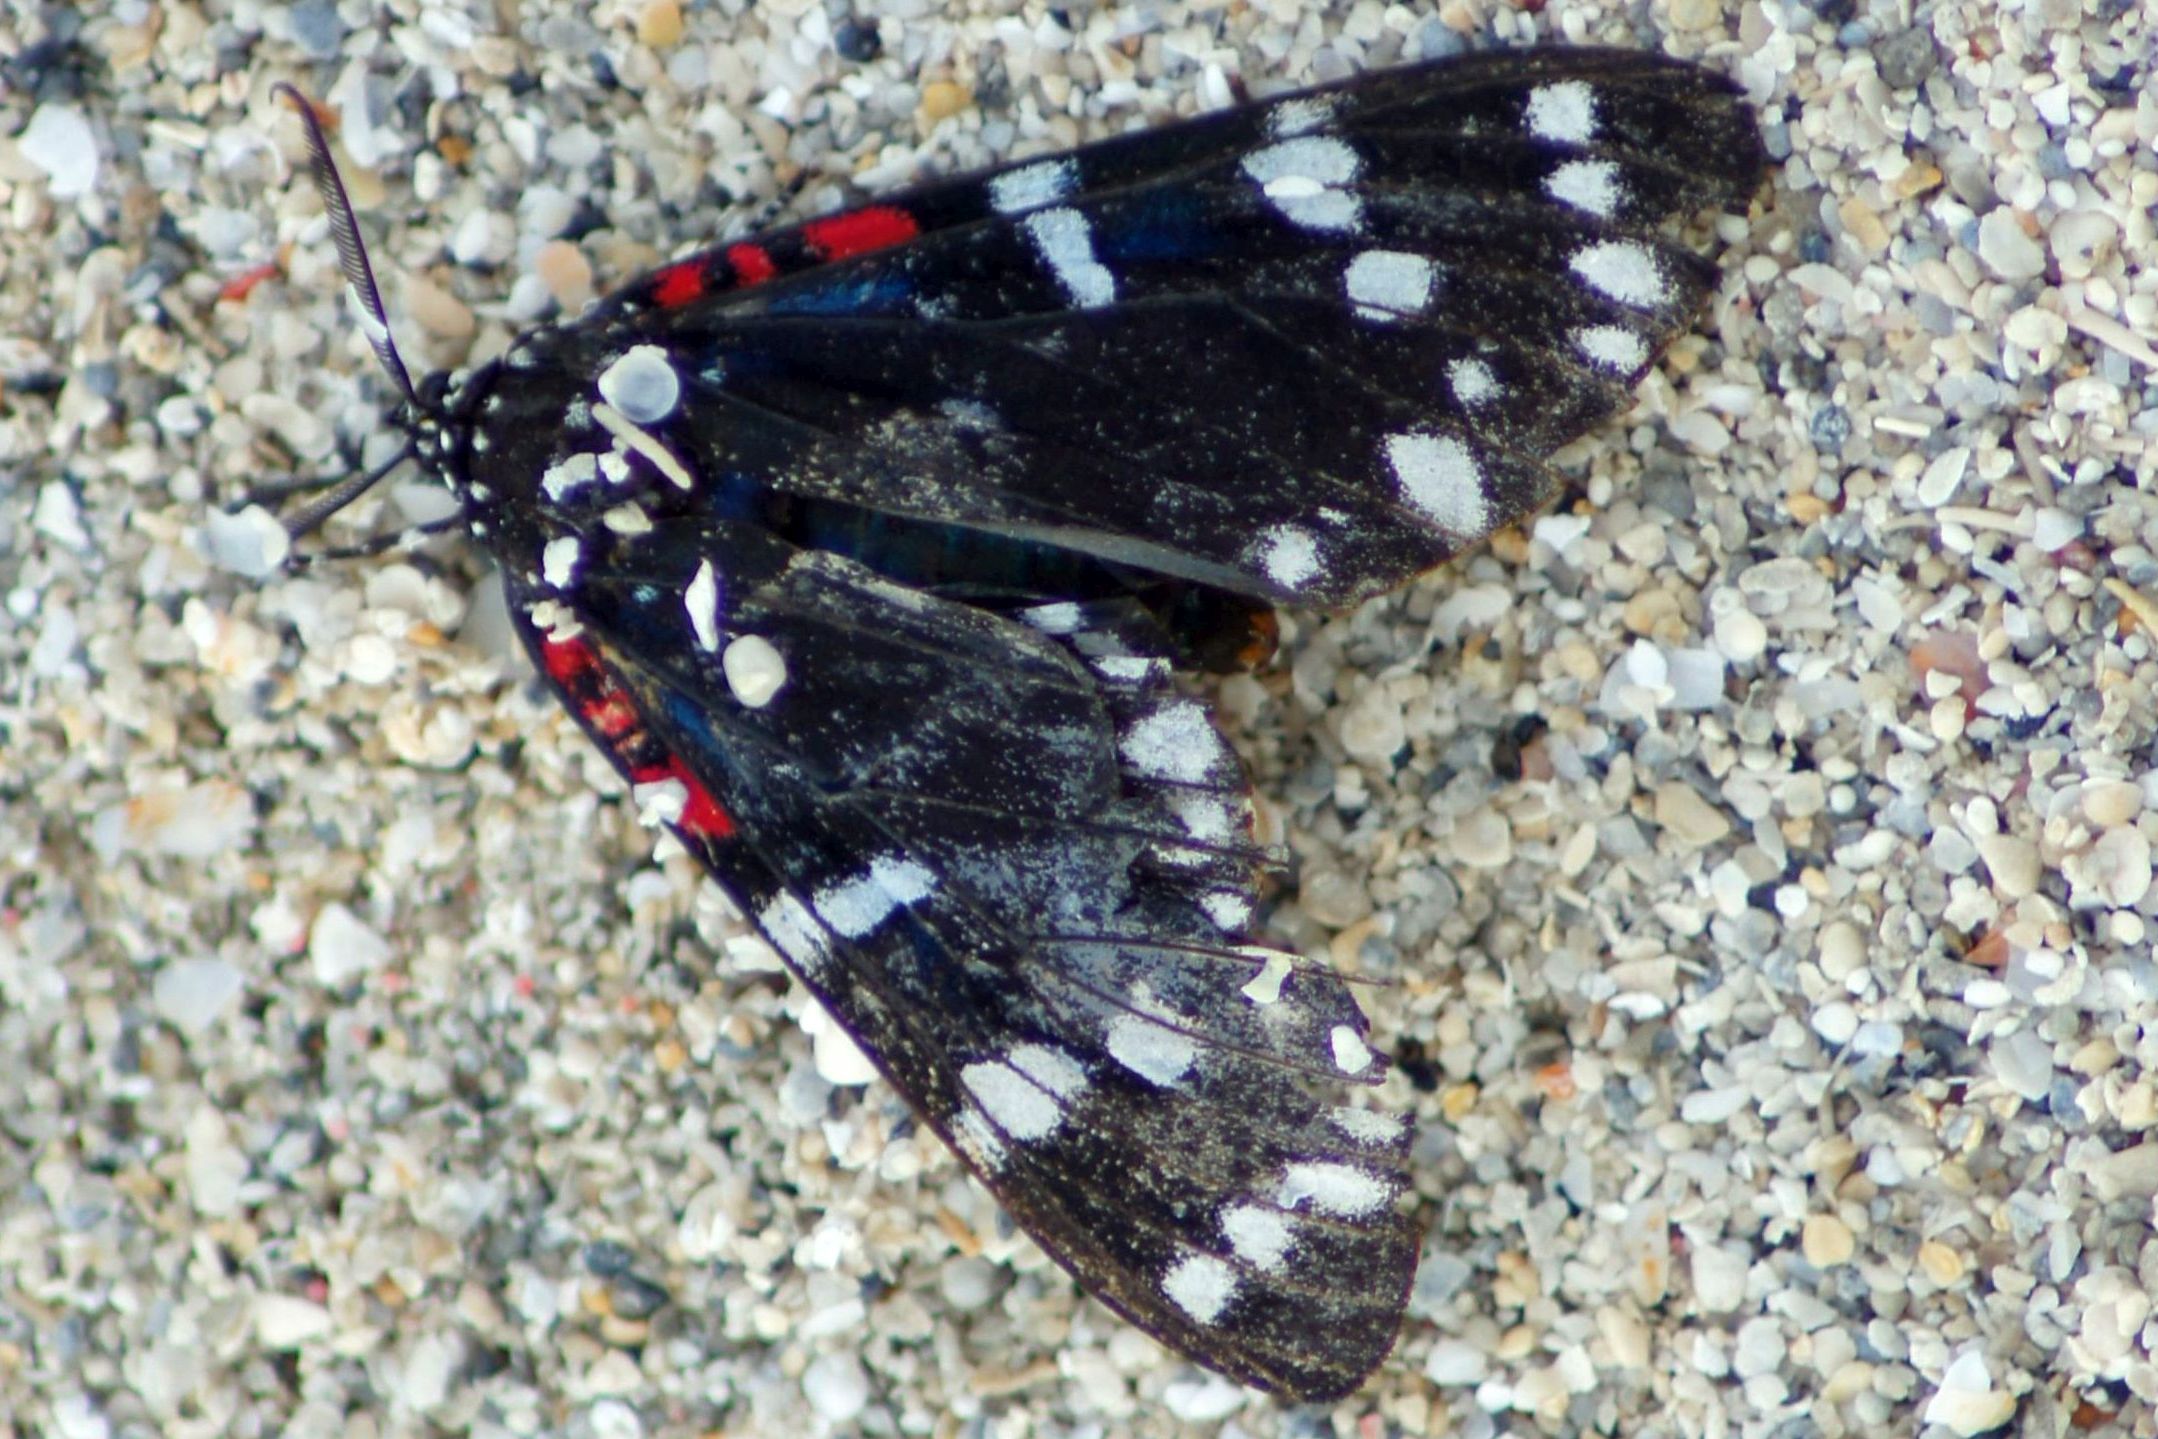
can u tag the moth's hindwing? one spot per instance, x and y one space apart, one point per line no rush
1017 866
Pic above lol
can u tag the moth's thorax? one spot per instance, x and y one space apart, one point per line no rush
566 434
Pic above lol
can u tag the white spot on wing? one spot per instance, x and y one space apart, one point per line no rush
1369 1126
1291 118
558 561
1472 382
1228 910
1260 1236
1153 1051
1205 816
1385 285
1051 1068
855 906
1564 111
1265 986
569 474
1439 476
978 1141
1624 270
1127 669
1201 1286
1351 1054
1590 185
1013 1102
794 932
1061 618
1613 347
1175 742
701 600
1066 243
641 384
1288 556
1032 186
1341 1190
1302 178
755 670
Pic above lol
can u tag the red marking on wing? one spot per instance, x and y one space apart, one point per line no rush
701 817
859 232
567 661
608 709
752 264
612 714
679 284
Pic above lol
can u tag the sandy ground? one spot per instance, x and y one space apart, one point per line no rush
1780 1018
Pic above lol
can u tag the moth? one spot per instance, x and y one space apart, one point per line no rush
870 550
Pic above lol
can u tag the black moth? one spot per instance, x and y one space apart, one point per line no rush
868 550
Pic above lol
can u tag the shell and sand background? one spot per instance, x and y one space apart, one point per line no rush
1780 1014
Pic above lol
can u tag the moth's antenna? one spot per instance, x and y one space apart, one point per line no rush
366 300
351 250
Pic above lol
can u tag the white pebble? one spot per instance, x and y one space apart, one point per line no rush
1842 950
214 1164
1938 484
838 1059
2081 239
284 1321
2024 1063
1696 677
189 994
203 820
1741 636
1453 1363
341 948
1719 1279
613 1418
2107 803
1372 729
836 1387
251 544
2007 251
1203 1401
1877 1038
2125 1173
2115 871
485 237
1483 840
75 1415
2013 863
1835 1022
58 515
2051 529
59 141
1967 1403
967 1283
1713 1106
1761 1347
431 1364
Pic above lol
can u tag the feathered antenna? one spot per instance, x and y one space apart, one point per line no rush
351 250
366 300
